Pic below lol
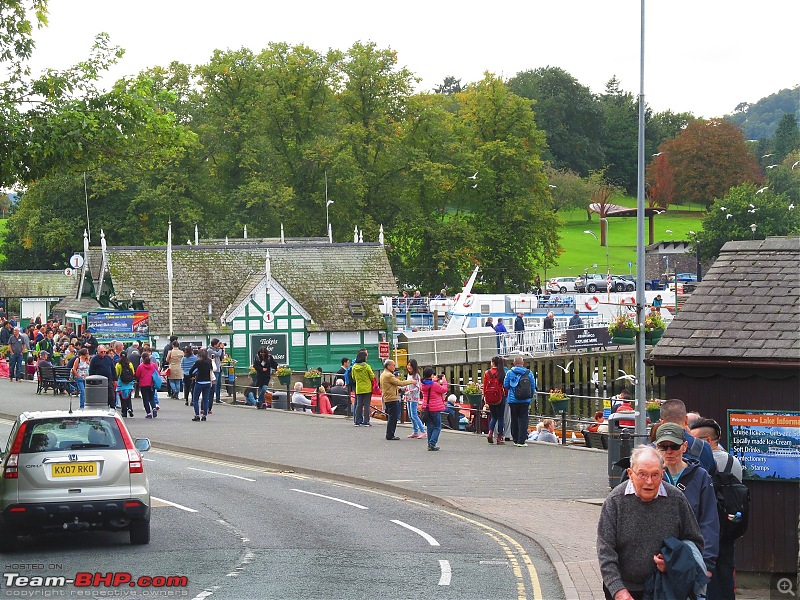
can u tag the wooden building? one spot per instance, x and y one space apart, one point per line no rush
736 346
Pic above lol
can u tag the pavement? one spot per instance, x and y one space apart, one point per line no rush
549 493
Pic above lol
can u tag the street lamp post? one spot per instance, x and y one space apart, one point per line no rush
592 233
753 229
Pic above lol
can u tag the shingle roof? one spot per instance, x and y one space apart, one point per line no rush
85 304
323 278
36 284
747 307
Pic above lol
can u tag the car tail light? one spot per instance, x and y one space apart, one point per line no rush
11 470
134 458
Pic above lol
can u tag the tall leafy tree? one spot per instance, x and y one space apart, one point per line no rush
707 159
787 137
569 114
511 206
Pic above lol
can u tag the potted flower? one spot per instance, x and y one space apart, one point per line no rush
472 394
284 375
622 330
312 379
559 400
653 409
654 327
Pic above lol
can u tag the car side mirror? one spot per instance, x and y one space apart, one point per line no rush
142 444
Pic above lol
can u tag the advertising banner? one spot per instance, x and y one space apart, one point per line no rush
121 325
592 337
766 442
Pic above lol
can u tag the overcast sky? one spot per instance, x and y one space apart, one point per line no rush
702 56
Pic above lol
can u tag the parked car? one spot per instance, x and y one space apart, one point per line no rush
52 455
591 283
561 285
686 277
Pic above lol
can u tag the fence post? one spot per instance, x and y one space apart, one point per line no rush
563 428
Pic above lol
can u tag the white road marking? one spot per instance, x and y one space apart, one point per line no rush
331 498
430 539
447 573
149 459
218 473
176 505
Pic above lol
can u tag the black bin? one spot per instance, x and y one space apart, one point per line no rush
96 391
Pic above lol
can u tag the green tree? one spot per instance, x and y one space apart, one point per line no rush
568 113
567 189
787 137
731 217
511 207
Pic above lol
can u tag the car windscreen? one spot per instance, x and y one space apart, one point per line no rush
72 433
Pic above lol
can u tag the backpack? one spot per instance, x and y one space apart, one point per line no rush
126 375
733 503
524 391
493 388
695 449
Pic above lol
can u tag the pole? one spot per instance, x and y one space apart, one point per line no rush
86 197
641 390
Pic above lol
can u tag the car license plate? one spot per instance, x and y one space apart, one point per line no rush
75 469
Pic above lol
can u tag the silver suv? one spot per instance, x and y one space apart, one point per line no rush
593 282
65 470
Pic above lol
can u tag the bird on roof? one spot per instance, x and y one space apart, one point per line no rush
762 189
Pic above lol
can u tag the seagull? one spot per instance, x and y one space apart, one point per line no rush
565 368
630 378
474 175
795 164
658 154
660 212
771 166
692 232
791 207
752 211
474 186
550 185
729 216
767 155
722 208
762 189
668 230
752 206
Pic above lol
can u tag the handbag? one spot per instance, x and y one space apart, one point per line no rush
425 414
167 373
157 381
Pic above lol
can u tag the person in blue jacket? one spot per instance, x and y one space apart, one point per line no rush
693 480
519 400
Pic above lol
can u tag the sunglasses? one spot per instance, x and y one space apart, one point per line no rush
673 447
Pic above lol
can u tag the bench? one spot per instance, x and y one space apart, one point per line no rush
595 439
47 379
64 381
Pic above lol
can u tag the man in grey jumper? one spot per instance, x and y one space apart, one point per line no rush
636 518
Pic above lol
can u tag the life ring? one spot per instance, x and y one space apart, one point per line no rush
468 299
592 306
630 301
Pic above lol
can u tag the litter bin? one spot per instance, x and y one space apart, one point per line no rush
96 390
229 373
620 445
279 400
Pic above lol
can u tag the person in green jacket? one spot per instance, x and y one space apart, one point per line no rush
363 375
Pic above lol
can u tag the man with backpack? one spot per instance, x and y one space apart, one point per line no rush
733 506
521 387
674 411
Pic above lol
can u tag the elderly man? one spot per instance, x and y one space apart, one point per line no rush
637 516
390 390
16 362
102 364
340 397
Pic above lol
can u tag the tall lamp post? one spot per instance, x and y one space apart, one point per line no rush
641 380
753 229
592 233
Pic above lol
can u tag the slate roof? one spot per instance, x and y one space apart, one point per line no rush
84 305
323 278
36 284
747 308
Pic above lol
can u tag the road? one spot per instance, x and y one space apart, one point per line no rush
238 532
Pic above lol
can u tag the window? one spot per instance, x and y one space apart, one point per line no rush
72 433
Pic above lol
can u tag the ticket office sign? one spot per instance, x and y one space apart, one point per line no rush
767 443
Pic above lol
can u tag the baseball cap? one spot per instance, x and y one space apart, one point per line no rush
670 432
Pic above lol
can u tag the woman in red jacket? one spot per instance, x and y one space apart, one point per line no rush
433 392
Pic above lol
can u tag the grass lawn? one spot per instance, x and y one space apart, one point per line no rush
582 251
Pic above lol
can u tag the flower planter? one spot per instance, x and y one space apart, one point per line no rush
560 406
651 336
312 382
474 400
285 380
654 414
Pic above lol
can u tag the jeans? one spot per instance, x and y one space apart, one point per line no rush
413 414
434 427
519 421
204 388
147 398
188 384
112 394
175 387
363 405
81 384
125 401
507 420
218 385
392 416
722 582
497 412
16 365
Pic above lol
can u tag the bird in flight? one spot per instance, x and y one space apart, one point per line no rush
795 164
752 211
767 155
791 207
474 175
762 189
660 212
550 185
566 367
729 216
752 206
668 230
771 166
722 208
626 377
474 186
658 154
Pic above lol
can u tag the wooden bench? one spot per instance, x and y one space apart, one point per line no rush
64 381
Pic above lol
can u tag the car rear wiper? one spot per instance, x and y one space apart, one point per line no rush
80 445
